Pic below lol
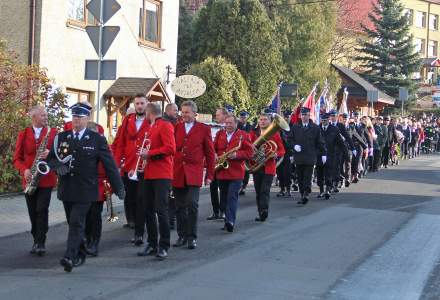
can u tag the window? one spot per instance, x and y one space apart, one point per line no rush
409 13
420 46
433 22
150 23
432 48
421 19
75 96
78 14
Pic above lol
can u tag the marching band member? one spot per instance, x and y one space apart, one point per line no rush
37 201
243 124
158 174
193 147
263 177
308 144
217 206
136 126
93 227
284 170
235 143
75 156
326 169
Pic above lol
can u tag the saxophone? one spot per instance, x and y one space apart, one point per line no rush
222 161
39 167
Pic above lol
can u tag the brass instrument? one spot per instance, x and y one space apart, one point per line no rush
133 174
222 161
265 149
39 167
108 200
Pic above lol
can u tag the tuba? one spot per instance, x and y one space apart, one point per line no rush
133 174
264 148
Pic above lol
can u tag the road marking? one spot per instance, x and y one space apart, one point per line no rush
400 268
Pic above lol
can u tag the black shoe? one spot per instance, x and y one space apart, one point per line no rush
148 251
67 264
355 180
335 190
162 254
385 166
92 249
320 195
212 217
288 194
192 244
181 241
229 227
138 240
126 225
295 188
222 216
79 260
347 183
34 249
327 195
303 201
41 250
242 192
281 194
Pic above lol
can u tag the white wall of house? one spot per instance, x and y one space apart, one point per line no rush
64 48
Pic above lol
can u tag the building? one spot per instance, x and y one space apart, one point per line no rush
358 93
52 33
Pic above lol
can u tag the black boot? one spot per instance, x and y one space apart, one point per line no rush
281 193
321 192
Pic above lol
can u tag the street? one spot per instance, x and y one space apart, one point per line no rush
378 239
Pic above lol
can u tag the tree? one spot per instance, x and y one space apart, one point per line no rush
306 30
225 85
388 57
21 87
241 32
185 39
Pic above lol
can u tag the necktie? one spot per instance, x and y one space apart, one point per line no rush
76 136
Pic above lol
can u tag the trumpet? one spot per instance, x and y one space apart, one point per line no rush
222 161
108 200
133 174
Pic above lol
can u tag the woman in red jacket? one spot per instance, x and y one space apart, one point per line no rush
264 176
237 143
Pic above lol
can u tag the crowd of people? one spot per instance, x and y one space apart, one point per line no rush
159 161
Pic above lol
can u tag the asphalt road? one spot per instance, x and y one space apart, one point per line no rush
379 239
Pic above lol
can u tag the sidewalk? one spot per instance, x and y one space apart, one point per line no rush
14 217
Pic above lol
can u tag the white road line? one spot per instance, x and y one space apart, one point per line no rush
400 268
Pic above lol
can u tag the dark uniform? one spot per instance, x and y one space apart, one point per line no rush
284 170
75 157
311 144
326 172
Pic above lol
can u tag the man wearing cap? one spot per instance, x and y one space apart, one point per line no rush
75 156
308 144
326 169
382 136
362 143
284 170
26 148
343 151
244 125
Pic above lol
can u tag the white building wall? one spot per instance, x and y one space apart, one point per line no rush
64 49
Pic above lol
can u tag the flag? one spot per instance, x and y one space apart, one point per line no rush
343 107
320 108
276 100
295 114
310 102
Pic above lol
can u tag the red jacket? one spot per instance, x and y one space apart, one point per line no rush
236 165
192 150
270 167
162 150
129 141
25 151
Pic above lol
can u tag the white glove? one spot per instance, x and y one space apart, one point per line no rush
291 160
370 151
354 152
324 159
297 148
